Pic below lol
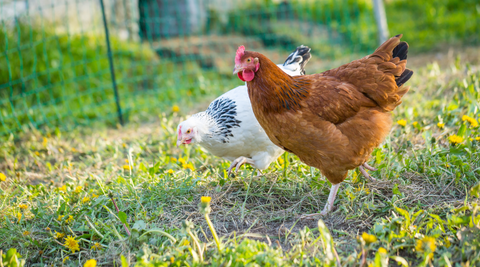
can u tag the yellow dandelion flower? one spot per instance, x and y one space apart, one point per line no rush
78 189
175 108
124 145
477 138
94 195
37 153
60 217
471 120
382 250
66 259
71 244
74 150
173 159
23 206
63 188
59 235
3 177
97 246
127 167
172 260
170 171
181 160
19 216
188 166
415 123
90 263
441 125
206 199
45 141
85 199
69 219
25 233
369 238
402 122
455 139
426 244
48 229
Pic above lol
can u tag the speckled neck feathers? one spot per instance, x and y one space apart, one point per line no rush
220 118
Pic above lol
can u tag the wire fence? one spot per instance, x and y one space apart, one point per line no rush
55 69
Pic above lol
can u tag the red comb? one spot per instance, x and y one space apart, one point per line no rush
240 52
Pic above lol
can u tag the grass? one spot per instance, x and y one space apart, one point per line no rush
55 79
423 210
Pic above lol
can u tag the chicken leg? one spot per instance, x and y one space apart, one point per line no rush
368 167
238 162
328 206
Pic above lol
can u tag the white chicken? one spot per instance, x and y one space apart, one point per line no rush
229 129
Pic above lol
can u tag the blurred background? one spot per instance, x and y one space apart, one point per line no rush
56 72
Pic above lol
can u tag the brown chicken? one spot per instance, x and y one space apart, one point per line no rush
332 120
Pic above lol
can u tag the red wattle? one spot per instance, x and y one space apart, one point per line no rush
248 75
240 76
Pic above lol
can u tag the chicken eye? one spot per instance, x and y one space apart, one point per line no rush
248 60
188 131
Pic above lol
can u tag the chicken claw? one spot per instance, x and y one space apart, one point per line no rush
364 172
237 163
328 206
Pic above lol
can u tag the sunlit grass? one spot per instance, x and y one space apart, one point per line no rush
62 190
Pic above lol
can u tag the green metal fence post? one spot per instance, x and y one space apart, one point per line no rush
110 61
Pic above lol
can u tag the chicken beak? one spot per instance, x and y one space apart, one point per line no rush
237 69
180 141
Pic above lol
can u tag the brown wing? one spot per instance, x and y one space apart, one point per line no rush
334 100
379 76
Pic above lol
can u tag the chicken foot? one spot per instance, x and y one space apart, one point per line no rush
368 167
238 162
364 172
328 206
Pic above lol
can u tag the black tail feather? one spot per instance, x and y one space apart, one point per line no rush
406 75
301 56
401 51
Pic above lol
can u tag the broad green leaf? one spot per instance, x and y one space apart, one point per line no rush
122 216
405 214
381 258
328 243
400 260
462 130
124 261
475 191
139 225
396 191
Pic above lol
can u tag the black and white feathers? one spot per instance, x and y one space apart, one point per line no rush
229 129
